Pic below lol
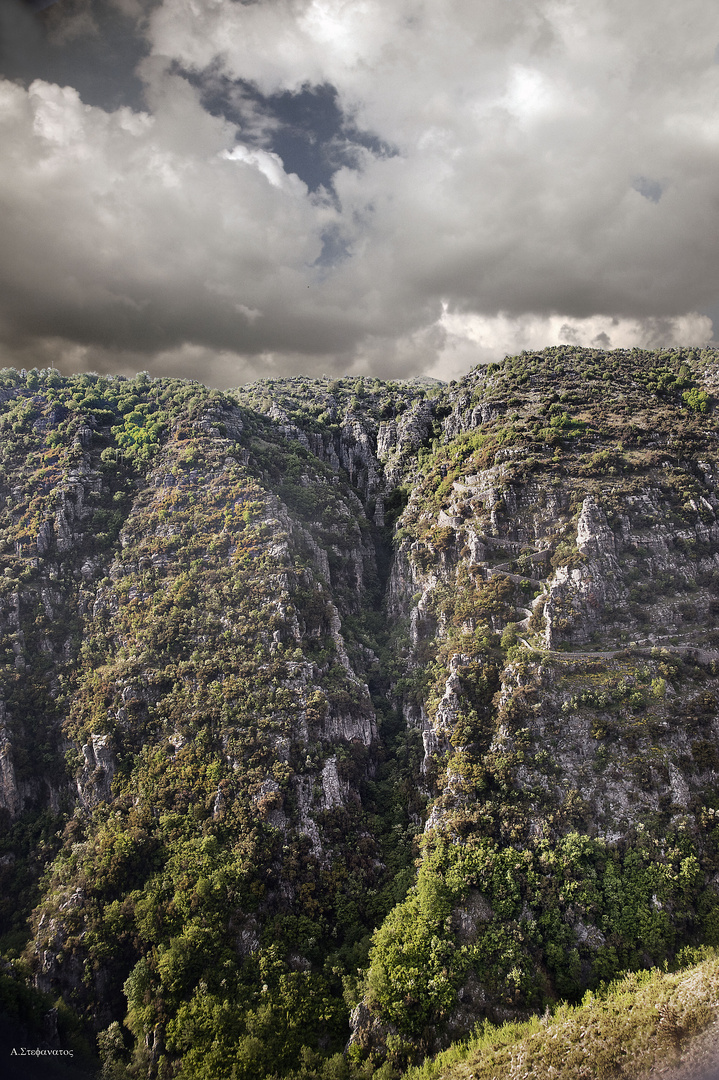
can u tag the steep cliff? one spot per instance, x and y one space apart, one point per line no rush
264 649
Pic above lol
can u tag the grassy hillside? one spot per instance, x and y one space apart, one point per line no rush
639 1023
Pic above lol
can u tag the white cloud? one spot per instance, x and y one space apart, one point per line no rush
270 165
555 167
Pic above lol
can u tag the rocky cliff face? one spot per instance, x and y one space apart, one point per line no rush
597 565
262 649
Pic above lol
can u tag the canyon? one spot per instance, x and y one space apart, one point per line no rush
338 716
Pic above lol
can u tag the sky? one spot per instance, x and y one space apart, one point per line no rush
227 190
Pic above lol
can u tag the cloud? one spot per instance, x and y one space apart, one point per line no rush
552 171
146 230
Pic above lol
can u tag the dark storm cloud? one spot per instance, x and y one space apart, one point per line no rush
397 186
39 5
93 47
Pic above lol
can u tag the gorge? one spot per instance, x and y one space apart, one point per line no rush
338 716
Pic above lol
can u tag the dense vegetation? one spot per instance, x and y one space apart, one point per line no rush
334 695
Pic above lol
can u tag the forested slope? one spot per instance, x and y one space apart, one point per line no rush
345 697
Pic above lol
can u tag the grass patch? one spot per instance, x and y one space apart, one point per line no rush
635 1024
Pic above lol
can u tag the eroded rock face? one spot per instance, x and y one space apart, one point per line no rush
579 606
95 783
45 538
473 1001
10 800
578 595
368 1033
332 789
468 919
